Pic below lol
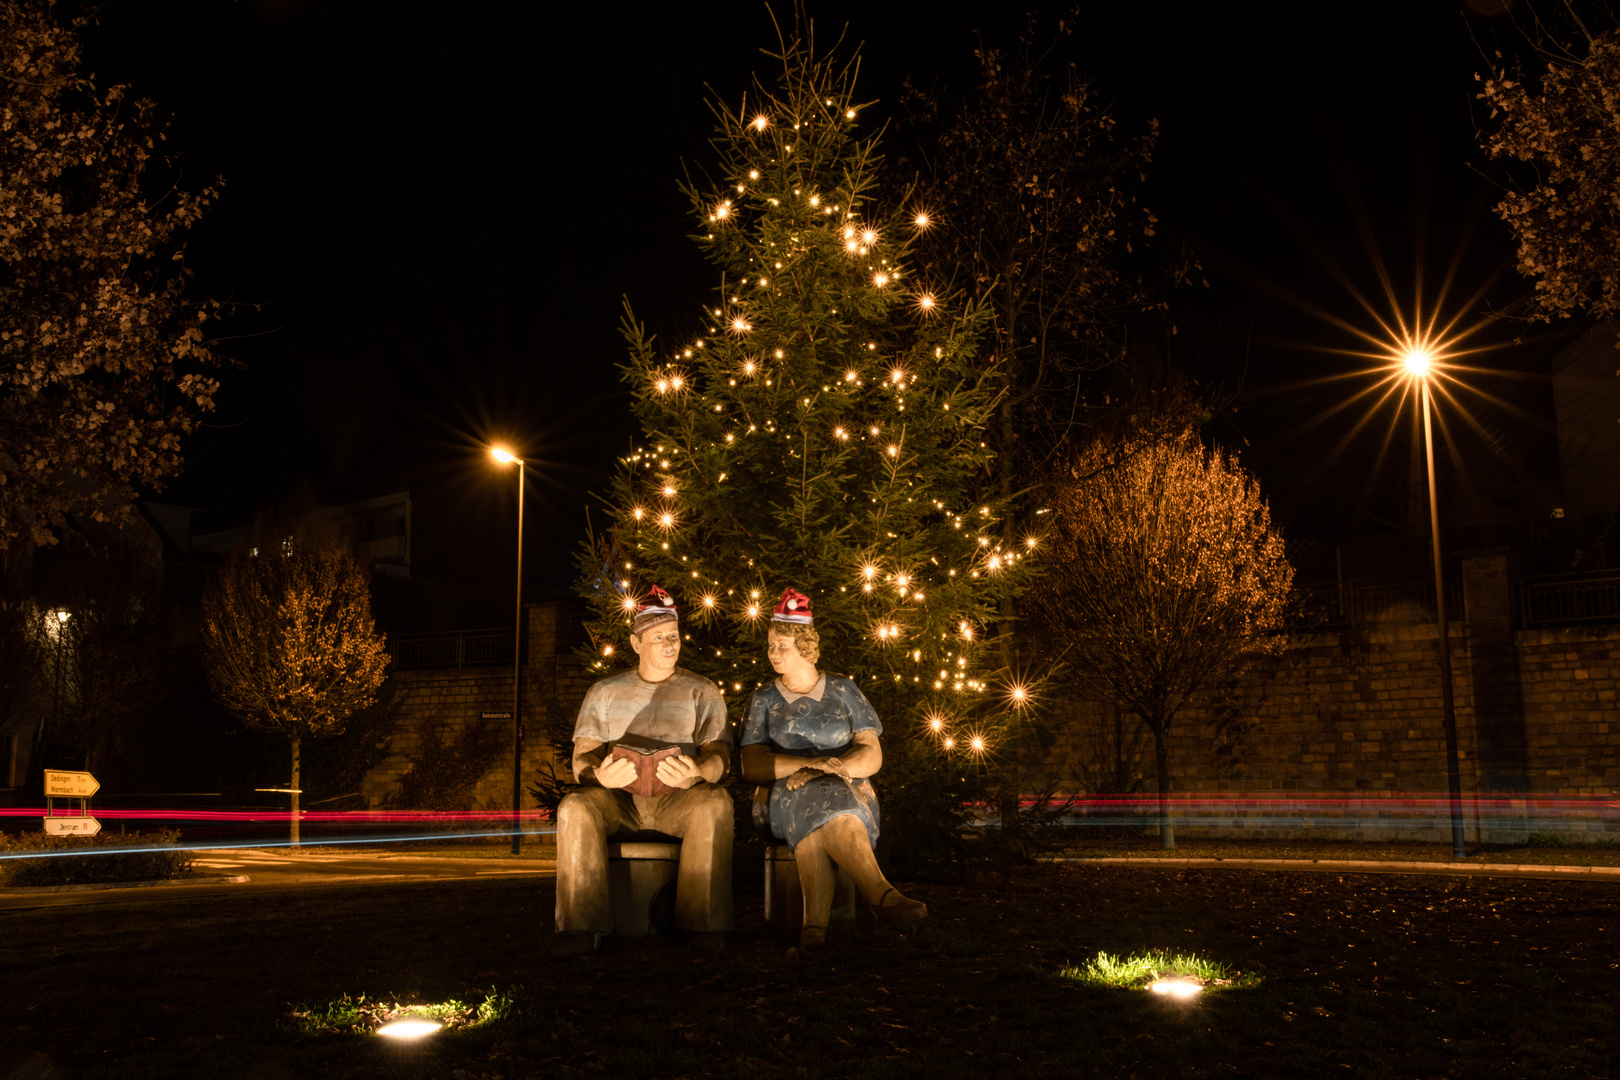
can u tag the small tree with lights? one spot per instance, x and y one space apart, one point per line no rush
1164 576
288 636
822 427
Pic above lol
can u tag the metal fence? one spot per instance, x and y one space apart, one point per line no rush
1567 598
461 648
1373 601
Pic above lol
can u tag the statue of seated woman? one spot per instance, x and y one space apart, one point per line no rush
813 737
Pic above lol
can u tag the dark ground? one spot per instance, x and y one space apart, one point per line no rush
1364 976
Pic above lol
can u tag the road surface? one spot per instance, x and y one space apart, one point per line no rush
280 869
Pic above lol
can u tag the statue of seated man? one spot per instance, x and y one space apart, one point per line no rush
657 706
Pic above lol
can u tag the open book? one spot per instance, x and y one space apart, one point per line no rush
646 784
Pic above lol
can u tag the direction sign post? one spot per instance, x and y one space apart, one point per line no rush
70 785
72 826
60 784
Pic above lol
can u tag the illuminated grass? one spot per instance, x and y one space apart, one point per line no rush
362 1016
1136 971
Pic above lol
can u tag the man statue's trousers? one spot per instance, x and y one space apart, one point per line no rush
701 816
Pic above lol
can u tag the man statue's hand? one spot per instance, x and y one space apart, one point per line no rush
679 771
616 772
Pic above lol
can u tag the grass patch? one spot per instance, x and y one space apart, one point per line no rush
1139 970
345 1015
96 865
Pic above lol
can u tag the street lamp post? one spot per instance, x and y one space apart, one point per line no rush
1420 366
506 457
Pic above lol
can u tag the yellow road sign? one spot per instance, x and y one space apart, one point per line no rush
70 785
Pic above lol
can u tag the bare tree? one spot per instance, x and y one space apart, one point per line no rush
288 635
1033 191
1164 576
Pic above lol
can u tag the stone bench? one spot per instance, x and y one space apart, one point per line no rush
637 872
784 899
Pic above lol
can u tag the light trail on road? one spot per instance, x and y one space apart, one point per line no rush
274 814
1232 812
257 844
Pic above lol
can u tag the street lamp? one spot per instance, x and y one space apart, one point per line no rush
504 456
1419 365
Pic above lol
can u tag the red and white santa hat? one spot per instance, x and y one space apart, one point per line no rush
658 608
794 607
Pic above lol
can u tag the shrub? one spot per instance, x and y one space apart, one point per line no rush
158 859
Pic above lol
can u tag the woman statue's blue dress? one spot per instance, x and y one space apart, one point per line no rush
821 723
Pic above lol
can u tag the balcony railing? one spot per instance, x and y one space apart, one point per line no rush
460 648
1374 601
1551 601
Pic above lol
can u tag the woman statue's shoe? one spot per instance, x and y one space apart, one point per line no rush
893 907
812 939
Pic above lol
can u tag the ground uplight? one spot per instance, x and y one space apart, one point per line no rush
1182 976
1177 988
410 1028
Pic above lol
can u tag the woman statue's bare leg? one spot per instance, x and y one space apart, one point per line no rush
818 880
848 845
845 842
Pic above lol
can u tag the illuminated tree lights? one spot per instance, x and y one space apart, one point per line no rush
821 428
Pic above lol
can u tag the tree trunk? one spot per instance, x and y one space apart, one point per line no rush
1005 464
1161 751
294 794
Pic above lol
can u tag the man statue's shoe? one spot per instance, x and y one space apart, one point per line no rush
573 944
709 941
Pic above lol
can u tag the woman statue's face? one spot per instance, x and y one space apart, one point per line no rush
783 651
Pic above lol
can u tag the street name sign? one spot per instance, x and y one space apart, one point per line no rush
70 785
72 826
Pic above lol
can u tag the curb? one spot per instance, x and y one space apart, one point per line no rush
1373 866
206 879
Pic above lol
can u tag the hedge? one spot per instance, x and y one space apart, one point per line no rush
86 869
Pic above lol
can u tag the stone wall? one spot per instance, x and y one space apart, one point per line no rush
456 697
1343 736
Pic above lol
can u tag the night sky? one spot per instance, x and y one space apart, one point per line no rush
437 210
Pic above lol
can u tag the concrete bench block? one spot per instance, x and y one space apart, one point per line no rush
636 873
784 899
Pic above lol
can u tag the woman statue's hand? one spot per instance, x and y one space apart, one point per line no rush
817 767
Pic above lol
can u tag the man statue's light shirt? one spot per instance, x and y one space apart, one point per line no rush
684 710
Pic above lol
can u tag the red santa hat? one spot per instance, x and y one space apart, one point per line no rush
658 608
794 607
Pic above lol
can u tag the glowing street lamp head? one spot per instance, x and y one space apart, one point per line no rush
503 455
1418 363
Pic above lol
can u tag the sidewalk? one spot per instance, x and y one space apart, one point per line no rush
1598 862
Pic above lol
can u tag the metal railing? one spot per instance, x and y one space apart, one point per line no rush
1374 601
459 648
1568 598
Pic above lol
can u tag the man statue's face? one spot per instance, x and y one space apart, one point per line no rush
658 647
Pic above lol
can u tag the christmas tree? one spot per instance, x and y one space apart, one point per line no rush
822 427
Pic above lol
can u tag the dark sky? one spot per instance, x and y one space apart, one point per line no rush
439 209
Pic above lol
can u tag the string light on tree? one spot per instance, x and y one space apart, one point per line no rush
810 440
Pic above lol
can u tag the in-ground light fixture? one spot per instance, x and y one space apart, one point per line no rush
412 1027
1182 989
